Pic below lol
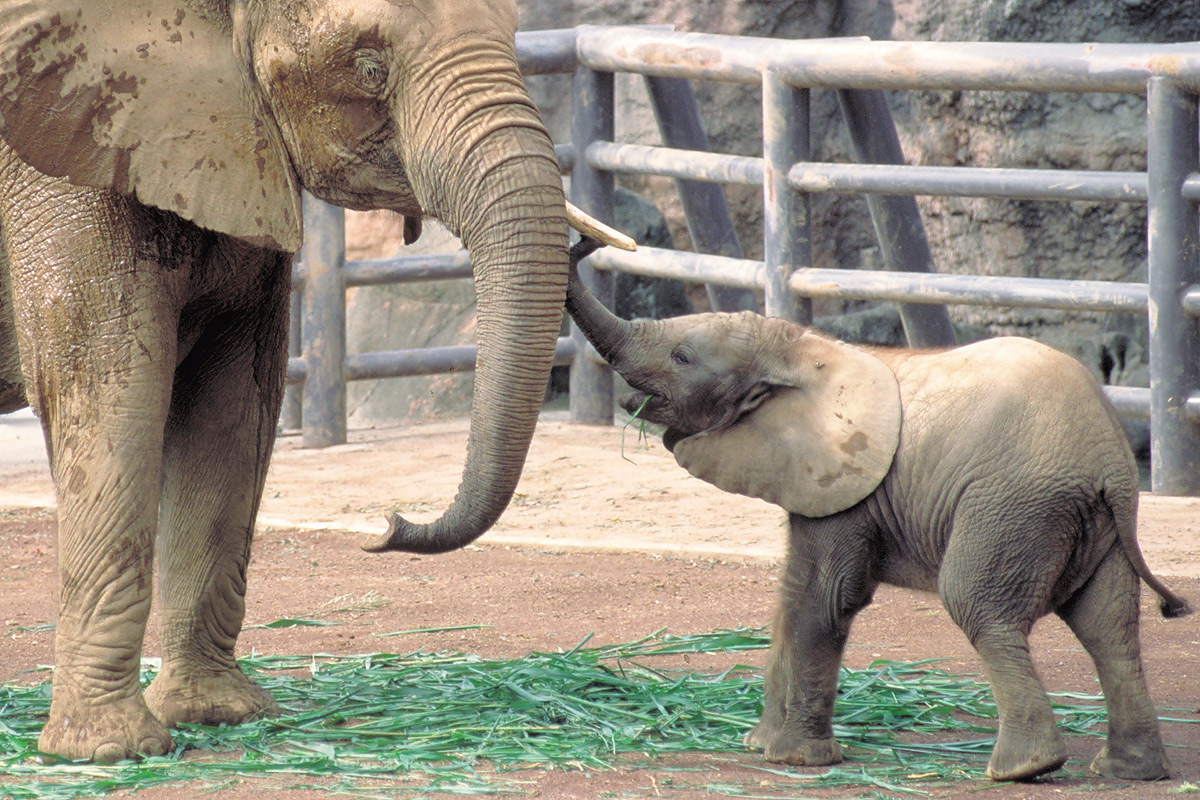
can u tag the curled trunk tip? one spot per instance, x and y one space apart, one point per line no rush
411 537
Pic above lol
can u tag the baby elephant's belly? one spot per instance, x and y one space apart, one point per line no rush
909 574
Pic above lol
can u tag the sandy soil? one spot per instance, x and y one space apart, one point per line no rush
606 536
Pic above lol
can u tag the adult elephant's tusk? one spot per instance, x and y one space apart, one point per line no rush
596 229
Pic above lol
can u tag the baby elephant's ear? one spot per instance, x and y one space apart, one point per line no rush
822 442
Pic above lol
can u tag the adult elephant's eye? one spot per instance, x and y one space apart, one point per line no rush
681 357
370 70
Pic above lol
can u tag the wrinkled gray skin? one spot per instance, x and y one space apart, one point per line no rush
150 172
1005 485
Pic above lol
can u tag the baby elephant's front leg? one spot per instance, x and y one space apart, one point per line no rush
818 602
797 723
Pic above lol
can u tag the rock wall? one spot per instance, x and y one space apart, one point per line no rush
1064 131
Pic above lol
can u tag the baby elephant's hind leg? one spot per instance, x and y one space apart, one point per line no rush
996 609
1104 616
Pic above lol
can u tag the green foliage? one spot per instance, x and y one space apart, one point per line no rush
385 724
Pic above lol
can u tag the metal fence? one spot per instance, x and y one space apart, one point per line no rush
859 70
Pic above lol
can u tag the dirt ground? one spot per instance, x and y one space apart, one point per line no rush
607 536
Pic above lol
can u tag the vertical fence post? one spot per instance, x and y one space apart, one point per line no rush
896 218
704 206
323 327
1172 153
592 111
786 213
289 415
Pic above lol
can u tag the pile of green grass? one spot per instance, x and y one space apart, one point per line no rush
386 724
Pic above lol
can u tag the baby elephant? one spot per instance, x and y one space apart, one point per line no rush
994 474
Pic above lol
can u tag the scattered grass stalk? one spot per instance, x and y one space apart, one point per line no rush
388 724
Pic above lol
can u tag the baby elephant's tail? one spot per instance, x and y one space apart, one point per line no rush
1122 501
1172 605
1123 506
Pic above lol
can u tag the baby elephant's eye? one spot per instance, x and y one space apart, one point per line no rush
681 357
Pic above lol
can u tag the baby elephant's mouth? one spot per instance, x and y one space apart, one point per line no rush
648 407
642 405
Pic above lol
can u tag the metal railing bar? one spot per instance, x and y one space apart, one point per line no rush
547 52
1010 183
593 118
430 361
1173 262
910 287
408 269
1134 402
1022 184
1191 187
865 64
787 215
638 159
1129 401
653 262
973 290
1191 301
417 361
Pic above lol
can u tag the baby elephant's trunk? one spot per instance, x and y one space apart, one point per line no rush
607 332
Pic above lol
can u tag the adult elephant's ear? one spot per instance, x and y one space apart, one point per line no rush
823 440
149 99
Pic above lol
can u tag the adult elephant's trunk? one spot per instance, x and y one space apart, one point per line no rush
487 169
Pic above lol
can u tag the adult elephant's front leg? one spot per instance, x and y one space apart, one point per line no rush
219 437
97 339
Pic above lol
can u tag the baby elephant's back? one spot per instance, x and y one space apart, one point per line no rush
1007 421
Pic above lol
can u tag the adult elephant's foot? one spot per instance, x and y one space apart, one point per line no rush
793 749
1019 757
213 698
107 732
1144 761
764 732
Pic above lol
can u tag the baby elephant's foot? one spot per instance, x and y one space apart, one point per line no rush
792 749
1019 758
1146 763
226 697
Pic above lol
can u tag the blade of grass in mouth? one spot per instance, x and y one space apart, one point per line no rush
641 427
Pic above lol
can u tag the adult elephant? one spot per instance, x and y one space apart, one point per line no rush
152 159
